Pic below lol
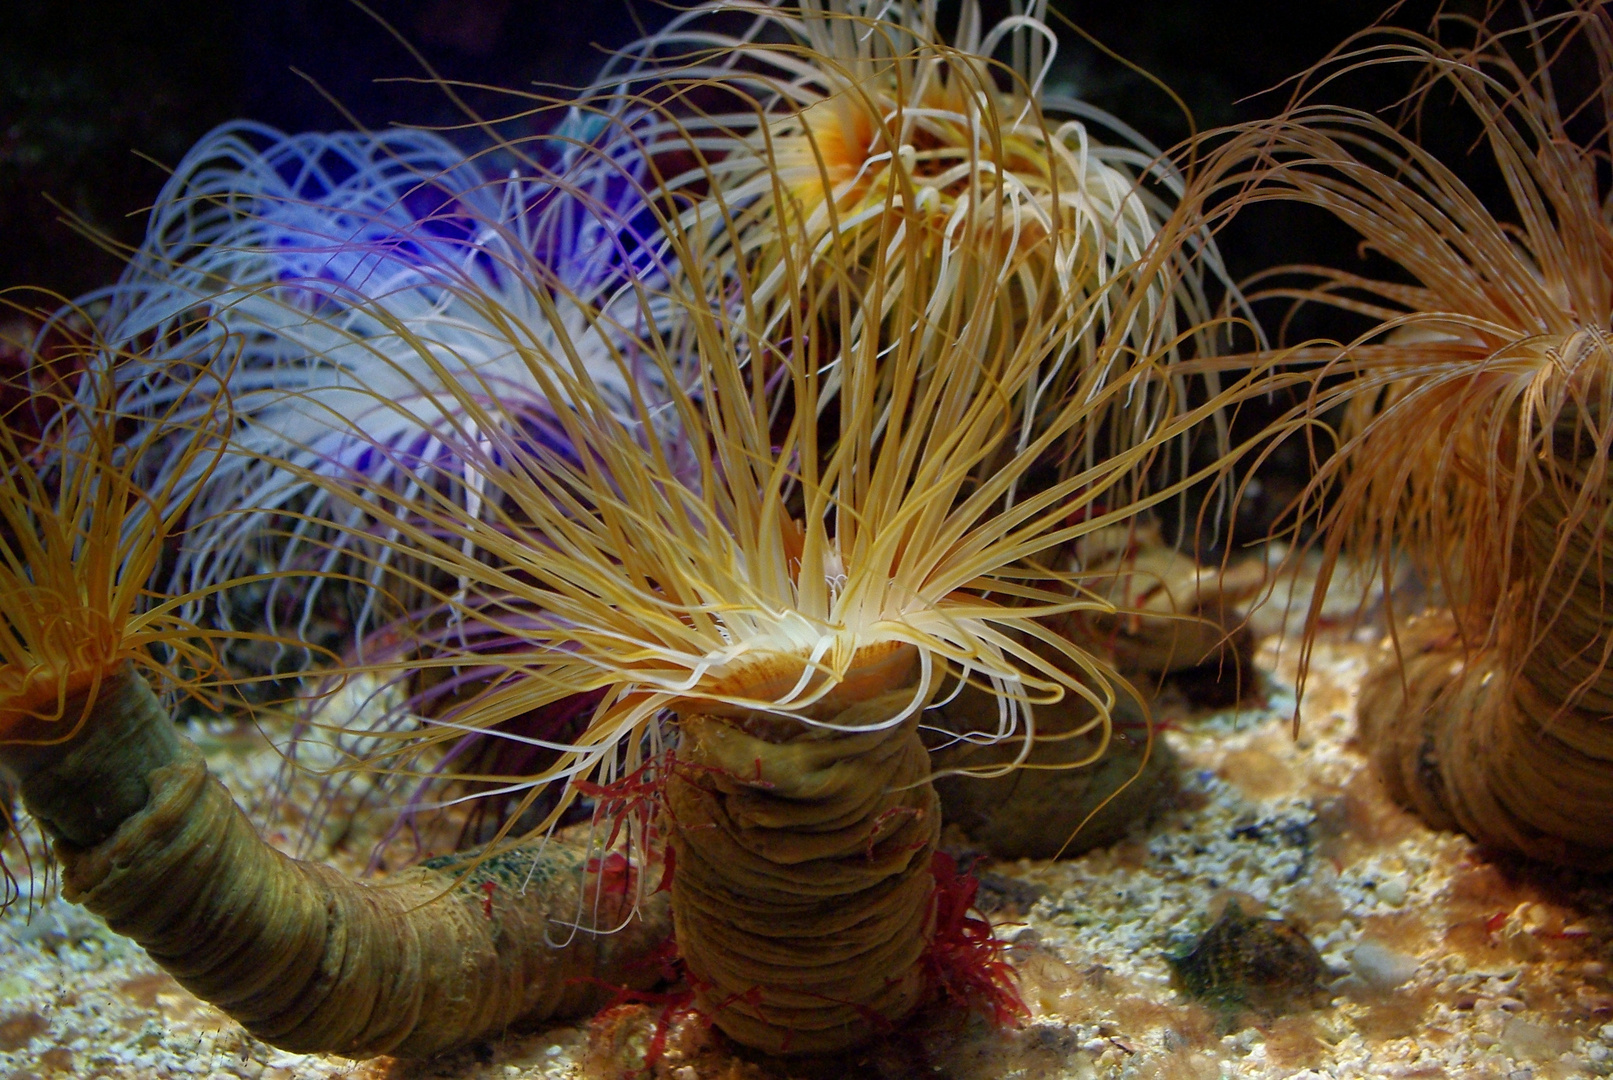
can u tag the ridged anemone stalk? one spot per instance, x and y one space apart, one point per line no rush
304 957
1478 424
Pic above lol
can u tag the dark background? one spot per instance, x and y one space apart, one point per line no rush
95 97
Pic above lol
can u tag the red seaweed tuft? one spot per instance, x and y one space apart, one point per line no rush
965 959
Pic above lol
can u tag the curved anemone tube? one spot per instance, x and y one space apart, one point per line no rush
426 960
423 961
1477 418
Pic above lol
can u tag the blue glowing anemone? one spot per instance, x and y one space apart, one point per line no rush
346 294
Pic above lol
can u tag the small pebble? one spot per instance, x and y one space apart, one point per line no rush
1381 967
1027 937
1393 890
1537 1042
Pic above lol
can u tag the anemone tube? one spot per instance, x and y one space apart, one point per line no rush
803 886
307 959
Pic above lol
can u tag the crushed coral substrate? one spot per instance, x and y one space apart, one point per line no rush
1436 961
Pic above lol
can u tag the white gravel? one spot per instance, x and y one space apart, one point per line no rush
1442 964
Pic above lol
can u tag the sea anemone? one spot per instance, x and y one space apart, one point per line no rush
1476 412
762 633
852 138
79 541
314 274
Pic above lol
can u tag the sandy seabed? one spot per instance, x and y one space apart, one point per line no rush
1439 960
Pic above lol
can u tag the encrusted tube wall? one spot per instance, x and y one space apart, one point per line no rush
802 886
305 958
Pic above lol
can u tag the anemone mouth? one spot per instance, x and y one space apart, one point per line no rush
784 678
1011 188
842 133
846 139
34 701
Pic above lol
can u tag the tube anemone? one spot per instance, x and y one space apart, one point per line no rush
764 605
852 137
300 268
1477 423
425 960
79 539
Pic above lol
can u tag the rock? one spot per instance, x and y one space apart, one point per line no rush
1054 808
1393 890
1243 960
1381 967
